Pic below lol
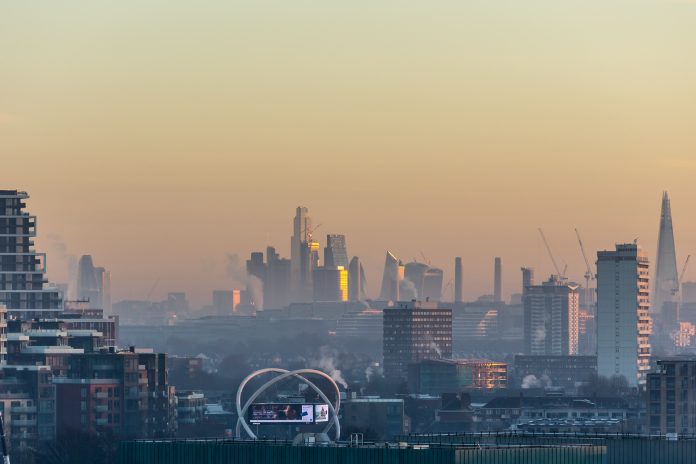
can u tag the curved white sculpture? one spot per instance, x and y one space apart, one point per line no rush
283 374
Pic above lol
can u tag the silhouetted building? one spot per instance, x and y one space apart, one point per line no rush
458 280
356 280
551 321
498 281
623 320
330 284
225 302
666 285
392 278
414 331
23 270
335 253
527 278
277 287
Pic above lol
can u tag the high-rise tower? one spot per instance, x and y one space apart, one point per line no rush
498 281
666 279
335 253
392 278
623 322
458 279
23 270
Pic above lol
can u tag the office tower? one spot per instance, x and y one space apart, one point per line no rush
670 392
392 278
623 320
666 284
330 283
458 279
432 284
303 252
335 253
255 266
527 278
498 281
414 276
414 331
551 318
277 287
23 270
301 232
356 280
225 301
104 280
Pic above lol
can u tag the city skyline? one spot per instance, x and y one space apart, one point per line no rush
478 281
487 125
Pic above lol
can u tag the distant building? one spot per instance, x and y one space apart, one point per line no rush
551 313
93 284
377 418
392 278
671 397
330 284
458 280
666 285
527 278
225 302
414 331
23 270
688 292
277 287
438 376
559 371
335 253
356 280
623 321
498 281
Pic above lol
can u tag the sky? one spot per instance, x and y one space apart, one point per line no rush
161 136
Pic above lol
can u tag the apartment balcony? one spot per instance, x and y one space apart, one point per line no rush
101 421
23 409
23 423
101 408
101 395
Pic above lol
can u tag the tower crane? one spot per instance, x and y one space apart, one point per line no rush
553 260
588 273
681 276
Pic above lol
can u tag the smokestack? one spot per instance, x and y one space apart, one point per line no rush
458 279
498 281
527 278
355 289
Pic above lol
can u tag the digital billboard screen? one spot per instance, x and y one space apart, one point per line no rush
281 413
321 413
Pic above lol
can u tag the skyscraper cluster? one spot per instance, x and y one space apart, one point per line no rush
276 282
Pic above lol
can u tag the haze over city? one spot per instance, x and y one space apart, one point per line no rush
159 143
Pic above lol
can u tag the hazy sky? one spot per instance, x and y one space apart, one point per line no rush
160 135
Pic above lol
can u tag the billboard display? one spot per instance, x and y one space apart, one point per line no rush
281 413
321 413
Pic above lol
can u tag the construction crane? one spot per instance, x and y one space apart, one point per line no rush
681 276
553 260
588 273
311 231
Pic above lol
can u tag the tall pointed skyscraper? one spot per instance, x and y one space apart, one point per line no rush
666 279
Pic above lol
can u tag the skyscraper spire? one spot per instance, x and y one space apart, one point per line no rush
666 280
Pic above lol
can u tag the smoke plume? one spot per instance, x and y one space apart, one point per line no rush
236 269
327 363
